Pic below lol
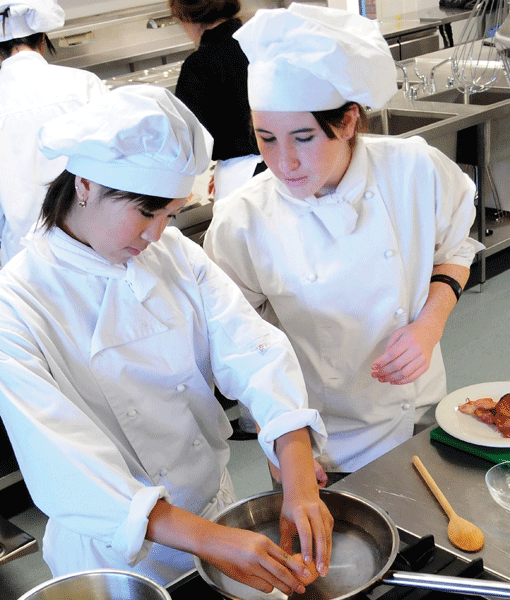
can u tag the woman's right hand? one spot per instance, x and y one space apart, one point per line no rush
253 559
247 556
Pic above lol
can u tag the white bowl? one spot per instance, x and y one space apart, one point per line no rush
497 479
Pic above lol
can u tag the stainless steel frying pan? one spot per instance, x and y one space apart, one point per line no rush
365 544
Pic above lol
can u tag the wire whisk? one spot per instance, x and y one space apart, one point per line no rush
502 43
476 64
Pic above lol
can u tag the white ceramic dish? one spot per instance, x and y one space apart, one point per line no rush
467 427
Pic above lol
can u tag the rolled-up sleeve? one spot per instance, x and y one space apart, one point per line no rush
80 478
129 538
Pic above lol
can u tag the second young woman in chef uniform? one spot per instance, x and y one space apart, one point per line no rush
110 341
338 242
31 93
213 85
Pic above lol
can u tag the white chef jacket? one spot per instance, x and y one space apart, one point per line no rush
340 273
32 92
106 378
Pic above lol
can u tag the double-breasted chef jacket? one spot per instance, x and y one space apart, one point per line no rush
340 273
32 92
106 378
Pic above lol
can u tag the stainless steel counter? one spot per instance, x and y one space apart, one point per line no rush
393 483
443 15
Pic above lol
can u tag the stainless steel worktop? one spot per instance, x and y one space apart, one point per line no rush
393 483
408 24
443 15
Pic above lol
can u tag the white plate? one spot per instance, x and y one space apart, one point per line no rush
467 427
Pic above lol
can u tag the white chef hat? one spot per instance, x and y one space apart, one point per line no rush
136 138
26 17
309 58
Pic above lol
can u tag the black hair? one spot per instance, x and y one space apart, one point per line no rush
33 41
204 11
61 196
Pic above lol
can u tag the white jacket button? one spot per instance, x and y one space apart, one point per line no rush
180 388
196 443
132 413
388 254
400 311
163 472
312 278
369 195
405 406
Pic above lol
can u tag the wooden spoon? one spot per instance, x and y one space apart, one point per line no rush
461 533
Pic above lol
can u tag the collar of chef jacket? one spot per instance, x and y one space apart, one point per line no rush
133 321
338 211
56 244
22 57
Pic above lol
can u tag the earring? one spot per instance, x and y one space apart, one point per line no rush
82 203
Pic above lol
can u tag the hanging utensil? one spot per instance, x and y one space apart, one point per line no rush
476 64
461 533
502 43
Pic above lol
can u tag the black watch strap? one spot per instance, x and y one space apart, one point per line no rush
453 283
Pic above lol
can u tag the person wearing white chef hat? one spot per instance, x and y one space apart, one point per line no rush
114 329
32 92
357 247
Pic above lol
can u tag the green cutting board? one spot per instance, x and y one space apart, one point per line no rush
495 455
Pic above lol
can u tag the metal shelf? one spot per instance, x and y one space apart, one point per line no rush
10 479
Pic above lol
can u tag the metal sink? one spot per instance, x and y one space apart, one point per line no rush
454 96
396 121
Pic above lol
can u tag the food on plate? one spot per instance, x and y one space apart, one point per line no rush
491 412
311 567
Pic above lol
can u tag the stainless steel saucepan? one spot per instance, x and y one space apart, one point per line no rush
365 544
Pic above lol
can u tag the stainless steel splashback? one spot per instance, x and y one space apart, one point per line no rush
121 40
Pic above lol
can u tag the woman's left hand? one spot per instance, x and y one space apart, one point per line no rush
407 354
308 517
409 350
303 513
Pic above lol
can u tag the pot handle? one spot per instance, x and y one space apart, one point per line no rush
445 583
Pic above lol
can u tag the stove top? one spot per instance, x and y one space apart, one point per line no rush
415 555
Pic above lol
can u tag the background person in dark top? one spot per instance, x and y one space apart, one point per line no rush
213 85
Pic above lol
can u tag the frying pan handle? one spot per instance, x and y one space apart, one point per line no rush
444 583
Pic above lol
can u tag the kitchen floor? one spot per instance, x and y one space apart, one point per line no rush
476 348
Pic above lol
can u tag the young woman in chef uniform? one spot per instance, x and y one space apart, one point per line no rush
113 330
357 247
31 92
